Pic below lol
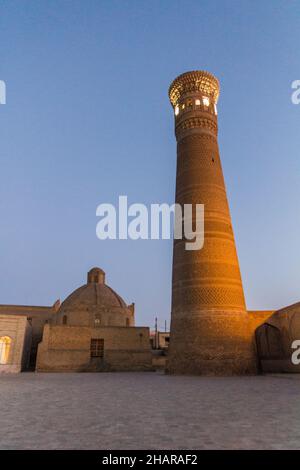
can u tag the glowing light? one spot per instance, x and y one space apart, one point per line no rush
197 102
205 101
216 110
5 342
176 110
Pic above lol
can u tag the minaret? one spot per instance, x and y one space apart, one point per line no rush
210 331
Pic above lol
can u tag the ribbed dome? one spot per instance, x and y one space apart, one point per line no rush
91 295
95 303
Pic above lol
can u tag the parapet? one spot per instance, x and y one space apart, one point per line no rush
196 81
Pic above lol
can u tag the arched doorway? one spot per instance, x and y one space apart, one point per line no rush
268 340
5 344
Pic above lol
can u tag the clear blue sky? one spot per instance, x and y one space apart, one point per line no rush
88 119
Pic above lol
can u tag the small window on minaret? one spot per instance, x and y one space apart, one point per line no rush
205 101
65 320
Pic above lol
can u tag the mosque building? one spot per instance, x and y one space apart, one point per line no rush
92 330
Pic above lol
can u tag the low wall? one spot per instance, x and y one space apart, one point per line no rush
67 348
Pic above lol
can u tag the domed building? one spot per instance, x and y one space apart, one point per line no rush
95 304
94 330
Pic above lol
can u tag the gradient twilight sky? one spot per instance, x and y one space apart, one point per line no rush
88 119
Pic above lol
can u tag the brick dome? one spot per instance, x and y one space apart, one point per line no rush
95 303
93 294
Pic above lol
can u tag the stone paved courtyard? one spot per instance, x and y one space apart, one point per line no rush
148 411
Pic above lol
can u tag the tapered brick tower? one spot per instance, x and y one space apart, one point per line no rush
210 331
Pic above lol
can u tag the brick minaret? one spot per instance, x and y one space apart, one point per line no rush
210 331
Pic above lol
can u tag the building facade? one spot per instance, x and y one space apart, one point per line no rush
15 343
92 330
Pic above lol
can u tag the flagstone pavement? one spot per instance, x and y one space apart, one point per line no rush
148 411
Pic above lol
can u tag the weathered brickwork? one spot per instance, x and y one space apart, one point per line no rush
210 329
95 303
275 336
92 330
94 312
68 348
18 330
37 317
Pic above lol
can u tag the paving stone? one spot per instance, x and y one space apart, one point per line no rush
148 411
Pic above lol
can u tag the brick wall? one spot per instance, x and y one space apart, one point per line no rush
68 348
19 330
